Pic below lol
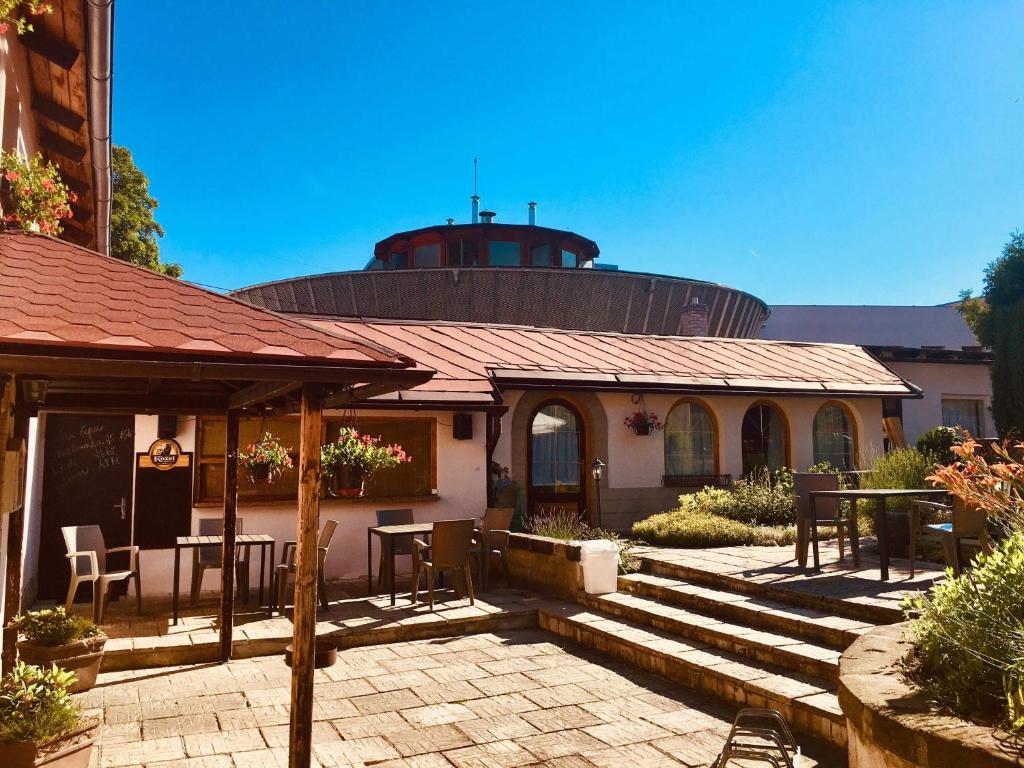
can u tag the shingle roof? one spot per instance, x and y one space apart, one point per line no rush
56 293
471 359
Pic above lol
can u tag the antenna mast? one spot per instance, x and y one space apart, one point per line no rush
475 198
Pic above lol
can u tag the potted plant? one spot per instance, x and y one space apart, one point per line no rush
350 462
34 196
40 725
642 422
53 636
12 14
265 460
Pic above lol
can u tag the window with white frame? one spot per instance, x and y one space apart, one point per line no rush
964 412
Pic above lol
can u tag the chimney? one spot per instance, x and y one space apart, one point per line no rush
694 319
487 216
533 213
476 208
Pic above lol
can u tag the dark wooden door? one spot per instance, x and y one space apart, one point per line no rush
555 459
87 480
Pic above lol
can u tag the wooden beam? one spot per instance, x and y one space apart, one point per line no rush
56 143
75 184
16 421
80 214
50 109
300 738
205 405
357 394
261 393
59 51
227 570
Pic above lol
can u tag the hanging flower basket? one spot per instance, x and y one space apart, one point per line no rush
265 460
643 422
350 462
34 197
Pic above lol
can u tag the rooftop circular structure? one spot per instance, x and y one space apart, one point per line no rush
513 274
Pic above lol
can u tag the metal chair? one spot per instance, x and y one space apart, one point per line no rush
211 558
287 566
964 523
493 540
827 512
450 549
87 554
403 544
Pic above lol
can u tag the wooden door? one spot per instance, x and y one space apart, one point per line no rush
555 459
87 480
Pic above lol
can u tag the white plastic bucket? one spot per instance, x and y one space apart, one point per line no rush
600 561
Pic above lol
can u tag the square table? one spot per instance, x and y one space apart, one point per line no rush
261 540
880 496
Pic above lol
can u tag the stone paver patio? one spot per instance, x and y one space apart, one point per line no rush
515 698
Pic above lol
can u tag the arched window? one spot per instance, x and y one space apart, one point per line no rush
834 437
764 438
555 450
690 447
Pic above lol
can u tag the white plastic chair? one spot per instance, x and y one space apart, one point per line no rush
87 553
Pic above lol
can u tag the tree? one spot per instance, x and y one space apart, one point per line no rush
133 229
997 319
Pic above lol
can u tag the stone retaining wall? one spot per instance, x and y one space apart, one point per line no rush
544 565
891 723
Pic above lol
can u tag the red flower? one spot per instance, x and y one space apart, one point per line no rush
4 27
47 184
72 197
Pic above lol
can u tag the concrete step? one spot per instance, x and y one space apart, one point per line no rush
866 612
816 626
748 642
809 704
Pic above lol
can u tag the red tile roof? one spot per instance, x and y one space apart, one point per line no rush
470 359
56 293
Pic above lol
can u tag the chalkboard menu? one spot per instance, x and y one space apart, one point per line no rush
87 480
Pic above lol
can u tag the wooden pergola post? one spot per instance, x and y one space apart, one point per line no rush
306 563
227 571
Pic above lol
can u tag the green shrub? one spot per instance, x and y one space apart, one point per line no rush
969 637
900 468
937 444
763 498
35 704
53 626
692 528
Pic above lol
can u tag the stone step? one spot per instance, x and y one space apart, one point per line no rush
748 642
821 627
820 601
809 704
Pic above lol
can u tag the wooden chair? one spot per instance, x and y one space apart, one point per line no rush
87 554
287 566
403 544
450 549
493 540
964 523
828 513
210 558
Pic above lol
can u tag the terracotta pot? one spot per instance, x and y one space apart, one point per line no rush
347 482
325 654
83 657
71 751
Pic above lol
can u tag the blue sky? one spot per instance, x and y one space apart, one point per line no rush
853 152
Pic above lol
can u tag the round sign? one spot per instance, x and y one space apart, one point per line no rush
164 453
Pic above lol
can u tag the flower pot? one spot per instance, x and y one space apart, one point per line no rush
642 428
262 473
72 750
83 657
325 654
347 482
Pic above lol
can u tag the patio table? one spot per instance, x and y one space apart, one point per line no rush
880 497
261 540
387 535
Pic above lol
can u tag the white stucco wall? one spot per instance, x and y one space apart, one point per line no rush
939 380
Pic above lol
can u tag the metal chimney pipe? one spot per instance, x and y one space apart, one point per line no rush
533 213
488 216
476 208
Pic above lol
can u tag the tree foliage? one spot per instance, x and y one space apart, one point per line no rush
997 319
133 228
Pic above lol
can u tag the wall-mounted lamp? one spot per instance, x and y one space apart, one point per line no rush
597 470
34 390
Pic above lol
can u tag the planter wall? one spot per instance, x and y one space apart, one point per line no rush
82 657
548 566
71 751
891 724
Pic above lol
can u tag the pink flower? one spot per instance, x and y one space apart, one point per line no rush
4 27
47 185
12 175
72 197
